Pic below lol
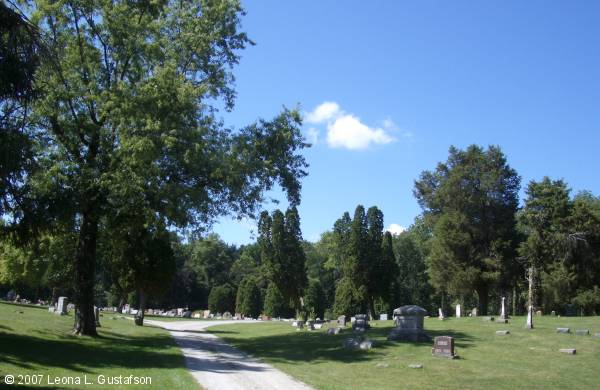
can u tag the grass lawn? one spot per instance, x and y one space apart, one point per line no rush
523 359
34 342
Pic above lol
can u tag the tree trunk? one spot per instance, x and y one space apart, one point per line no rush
121 304
139 317
482 296
85 267
371 308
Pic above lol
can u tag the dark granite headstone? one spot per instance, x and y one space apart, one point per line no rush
408 322
443 346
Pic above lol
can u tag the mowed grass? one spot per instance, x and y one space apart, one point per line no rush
36 342
523 359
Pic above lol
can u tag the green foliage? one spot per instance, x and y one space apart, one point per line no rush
248 300
221 299
314 300
589 300
282 255
347 300
412 284
275 305
470 201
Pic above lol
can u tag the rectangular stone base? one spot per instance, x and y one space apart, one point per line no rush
502 321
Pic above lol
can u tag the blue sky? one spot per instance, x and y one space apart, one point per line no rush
397 82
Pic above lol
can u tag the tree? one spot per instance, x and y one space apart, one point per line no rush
544 222
315 300
127 114
221 299
470 201
275 304
20 50
248 300
282 254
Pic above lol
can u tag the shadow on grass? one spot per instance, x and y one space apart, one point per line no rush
71 352
318 346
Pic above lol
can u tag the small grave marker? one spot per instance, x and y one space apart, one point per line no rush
443 346
563 330
569 351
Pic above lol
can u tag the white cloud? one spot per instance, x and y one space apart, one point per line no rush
395 229
323 113
350 133
345 130
312 135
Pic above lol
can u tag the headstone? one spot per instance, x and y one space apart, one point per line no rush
265 317
186 314
61 308
502 332
361 323
415 366
11 295
206 314
563 330
227 315
582 332
365 345
441 314
443 346
352 319
570 351
97 315
474 312
333 331
408 321
529 324
341 321
487 318
51 309
503 316
352 343
458 312
538 313
197 315
295 324
383 317
318 326
553 313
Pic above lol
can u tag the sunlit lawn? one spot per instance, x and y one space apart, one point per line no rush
35 342
524 359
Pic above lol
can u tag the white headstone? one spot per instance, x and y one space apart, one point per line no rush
440 314
458 312
61 308
383 317
503 309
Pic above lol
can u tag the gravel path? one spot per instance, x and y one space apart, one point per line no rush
217 365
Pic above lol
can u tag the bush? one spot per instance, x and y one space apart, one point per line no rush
248 300
221 299
589 300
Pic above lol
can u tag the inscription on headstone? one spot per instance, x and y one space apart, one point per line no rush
443 346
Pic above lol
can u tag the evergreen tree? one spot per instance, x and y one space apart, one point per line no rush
221 299
314 301
470 201
248 300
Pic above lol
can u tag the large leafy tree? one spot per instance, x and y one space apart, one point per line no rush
126 120
20 52
471 201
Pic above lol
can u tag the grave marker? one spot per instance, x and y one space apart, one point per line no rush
443 346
